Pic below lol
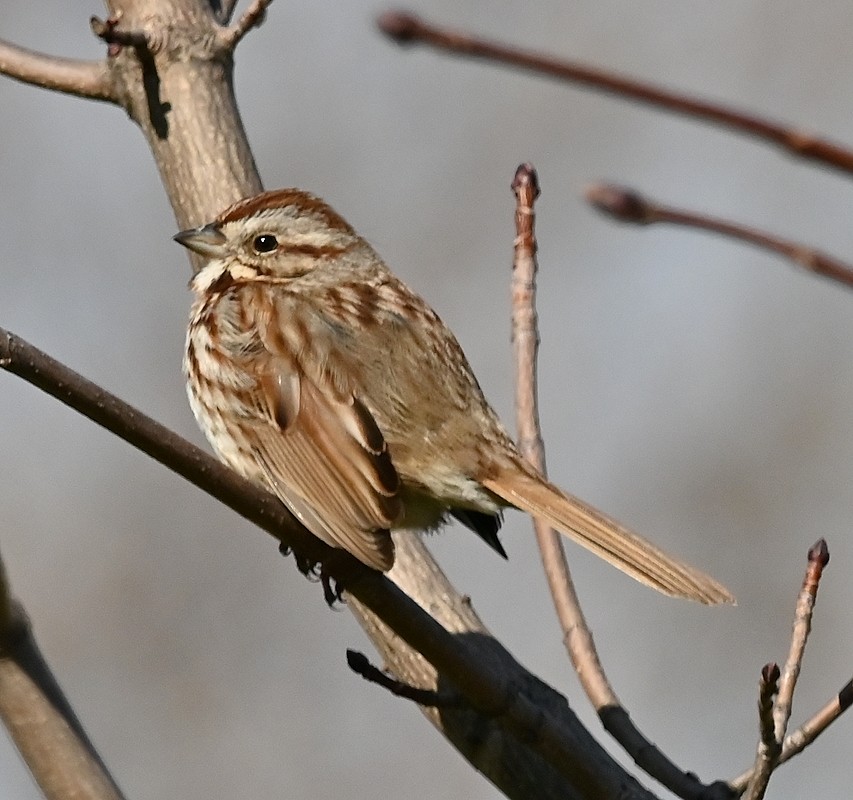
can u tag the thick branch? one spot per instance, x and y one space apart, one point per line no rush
496 688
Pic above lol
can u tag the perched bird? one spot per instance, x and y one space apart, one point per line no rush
316 372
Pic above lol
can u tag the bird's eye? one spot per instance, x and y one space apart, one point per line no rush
265 243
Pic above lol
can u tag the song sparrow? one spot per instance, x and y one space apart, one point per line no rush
316 372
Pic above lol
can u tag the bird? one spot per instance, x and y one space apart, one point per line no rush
317 373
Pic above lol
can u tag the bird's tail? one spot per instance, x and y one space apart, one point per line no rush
605 537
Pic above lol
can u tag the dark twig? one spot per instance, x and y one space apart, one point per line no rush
768 748
818 559
486 689
406 28
626 205
577 635
89 79
360 665
252 17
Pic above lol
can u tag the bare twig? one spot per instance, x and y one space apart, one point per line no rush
801 738
818 559
406 28
767 751
489 691
360 665
89 79
525 336
252 17
39 719
577 635
627 205
805 735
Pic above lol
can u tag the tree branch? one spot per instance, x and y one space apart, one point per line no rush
772 749
818 559
577 635
89 79
252 17
407 28
39 719
627 205
768 748
498 694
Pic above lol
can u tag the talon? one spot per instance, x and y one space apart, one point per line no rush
333 592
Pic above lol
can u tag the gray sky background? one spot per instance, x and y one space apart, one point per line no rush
696 389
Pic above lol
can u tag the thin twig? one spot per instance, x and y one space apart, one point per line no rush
487 690
577 635
801 738
525 337
805 735
360 665
627 205
406 28
818 559
251 18
89 79
767 751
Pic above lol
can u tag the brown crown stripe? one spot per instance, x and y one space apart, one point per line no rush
280 198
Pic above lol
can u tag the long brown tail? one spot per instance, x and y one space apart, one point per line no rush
606 538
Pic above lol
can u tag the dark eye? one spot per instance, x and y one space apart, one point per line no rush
265 243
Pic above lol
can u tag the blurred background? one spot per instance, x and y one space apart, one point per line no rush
696 389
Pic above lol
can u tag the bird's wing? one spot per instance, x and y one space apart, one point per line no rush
325 457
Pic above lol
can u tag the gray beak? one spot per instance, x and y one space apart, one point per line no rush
207 241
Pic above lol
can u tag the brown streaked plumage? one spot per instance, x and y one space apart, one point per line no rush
316 372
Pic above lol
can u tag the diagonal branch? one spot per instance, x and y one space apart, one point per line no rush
39 719
818 559
407 28
627 205
252 17
89 79
490 690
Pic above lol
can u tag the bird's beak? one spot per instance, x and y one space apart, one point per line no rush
207 241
